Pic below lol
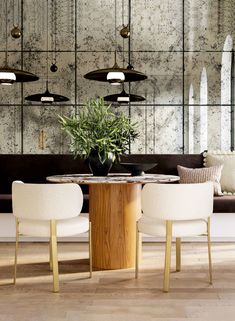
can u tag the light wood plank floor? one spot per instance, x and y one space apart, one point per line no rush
116 295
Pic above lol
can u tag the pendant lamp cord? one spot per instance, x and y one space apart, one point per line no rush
18 13
129 39
47 43
6 54
16 22
129 64
122 12
52 26
115 23
54 31
13 13
123 42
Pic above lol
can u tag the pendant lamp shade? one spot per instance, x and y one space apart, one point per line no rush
116 75
47 98
123 98
15 75
101 74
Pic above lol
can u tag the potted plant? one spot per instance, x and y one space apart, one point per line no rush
99 135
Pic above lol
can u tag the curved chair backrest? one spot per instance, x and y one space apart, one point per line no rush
46 201
178 201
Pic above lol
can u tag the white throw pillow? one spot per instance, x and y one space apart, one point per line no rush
227 159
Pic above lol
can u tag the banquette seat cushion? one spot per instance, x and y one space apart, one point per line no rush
224 204
5 203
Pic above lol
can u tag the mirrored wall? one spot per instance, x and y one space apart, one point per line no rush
185 47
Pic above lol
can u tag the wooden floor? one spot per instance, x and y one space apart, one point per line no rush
116 295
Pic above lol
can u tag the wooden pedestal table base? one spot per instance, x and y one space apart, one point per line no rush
114 210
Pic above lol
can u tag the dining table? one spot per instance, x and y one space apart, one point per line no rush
114 208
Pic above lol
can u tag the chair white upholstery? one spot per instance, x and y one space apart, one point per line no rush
175 210
46 201
48 210
69 227
185 228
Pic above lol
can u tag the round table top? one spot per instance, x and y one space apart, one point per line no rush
112 179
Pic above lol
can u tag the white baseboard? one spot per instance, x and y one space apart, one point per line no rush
222 230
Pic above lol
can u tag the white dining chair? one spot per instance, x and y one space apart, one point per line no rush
175 210
49 210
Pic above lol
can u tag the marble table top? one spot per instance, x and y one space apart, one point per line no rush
112 179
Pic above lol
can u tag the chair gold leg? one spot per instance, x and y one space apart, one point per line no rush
54 256
209 248
167 256
178 254
50 256
16 249
137 252
90 250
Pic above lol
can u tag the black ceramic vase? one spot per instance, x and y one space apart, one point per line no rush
97 167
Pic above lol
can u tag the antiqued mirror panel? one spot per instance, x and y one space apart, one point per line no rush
184 47
42 131
10 129
161 124
157 25
207 24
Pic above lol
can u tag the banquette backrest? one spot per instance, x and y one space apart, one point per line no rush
31 168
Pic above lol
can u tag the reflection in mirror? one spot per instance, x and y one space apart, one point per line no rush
226 74
210 91
191 121
203 110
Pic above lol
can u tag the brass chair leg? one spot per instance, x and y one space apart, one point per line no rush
137 252
178 254
209 248
16 249
54 256
50 256
167 256
90 250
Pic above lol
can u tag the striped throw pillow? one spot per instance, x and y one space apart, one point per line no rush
201 175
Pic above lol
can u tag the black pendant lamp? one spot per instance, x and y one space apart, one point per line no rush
123 97
129 75
116 75
8 75
47 97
